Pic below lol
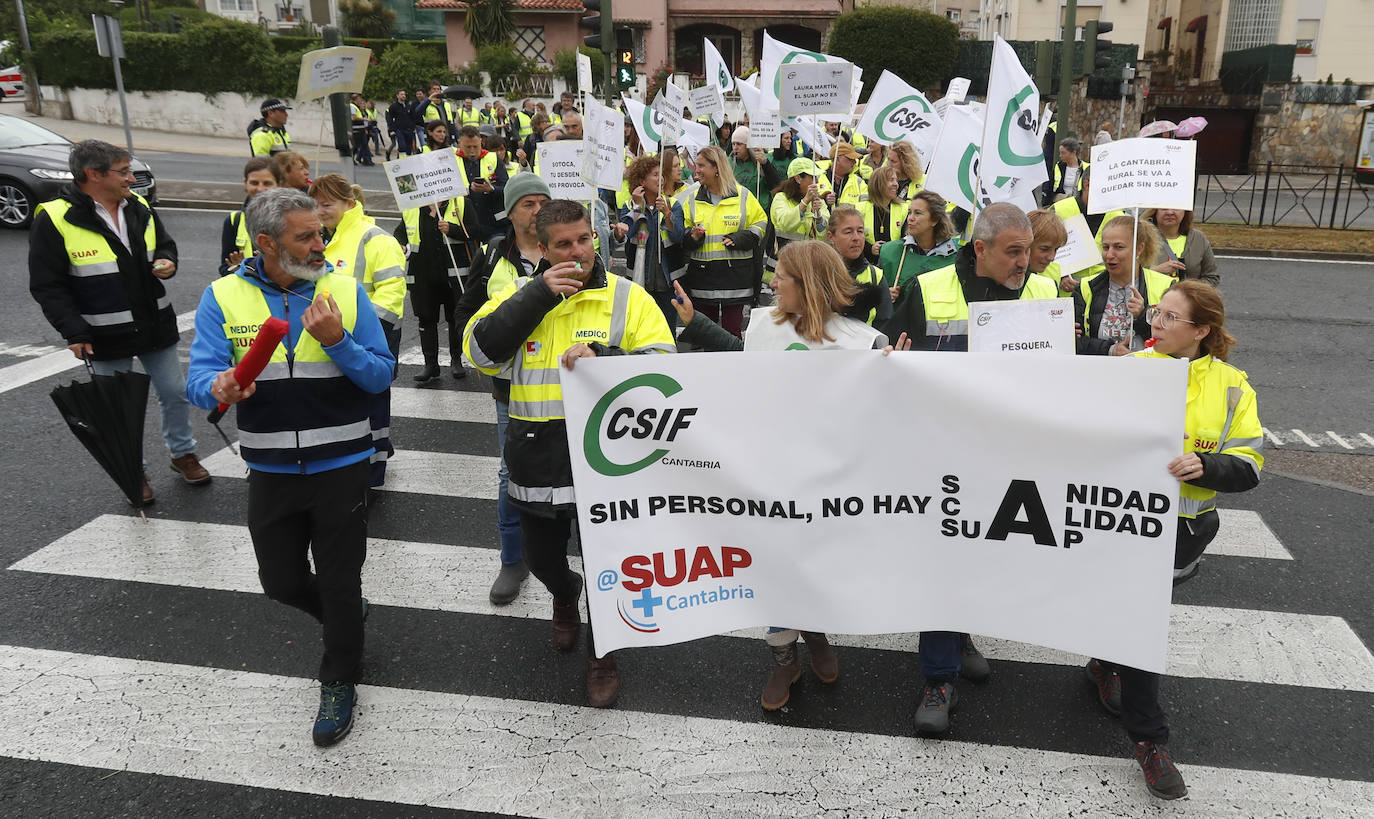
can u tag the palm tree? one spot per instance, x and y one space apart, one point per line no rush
490 21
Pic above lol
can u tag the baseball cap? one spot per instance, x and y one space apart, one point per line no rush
844 149
802 165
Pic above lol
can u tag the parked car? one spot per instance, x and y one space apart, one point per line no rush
11 83
33 169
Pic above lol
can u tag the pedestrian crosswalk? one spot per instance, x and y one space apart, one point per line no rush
468 707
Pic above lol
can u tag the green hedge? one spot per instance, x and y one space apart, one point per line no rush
287 44
917 46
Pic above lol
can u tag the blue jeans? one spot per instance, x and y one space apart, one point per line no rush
164 369
941 654
507 519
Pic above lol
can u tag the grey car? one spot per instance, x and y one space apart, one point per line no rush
33 169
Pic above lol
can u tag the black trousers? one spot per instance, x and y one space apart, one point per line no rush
545 542
292 518
433 295
1141 713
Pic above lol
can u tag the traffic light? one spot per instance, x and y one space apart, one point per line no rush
624 60
592 23
1097 53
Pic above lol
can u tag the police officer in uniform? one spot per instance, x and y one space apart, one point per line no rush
270 136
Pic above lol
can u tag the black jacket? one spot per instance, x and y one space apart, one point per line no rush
64 298
909 314
1089 343
399 117
475 292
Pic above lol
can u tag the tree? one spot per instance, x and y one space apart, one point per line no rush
367 18
490 22
404 66
917 46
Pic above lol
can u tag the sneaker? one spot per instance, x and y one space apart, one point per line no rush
1107 683
335 719
974 667
1161 775
603 682
508 582
567 621
937 702
191 470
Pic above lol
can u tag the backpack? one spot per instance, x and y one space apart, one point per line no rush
255 125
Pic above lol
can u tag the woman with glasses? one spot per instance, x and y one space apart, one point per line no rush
1221 453
1111 304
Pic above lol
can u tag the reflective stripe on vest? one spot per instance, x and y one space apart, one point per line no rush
717 223
946 309
305 409
90 254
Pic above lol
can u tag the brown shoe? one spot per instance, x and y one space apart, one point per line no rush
603 682
824 661
191 470
777 689
147 491
567 622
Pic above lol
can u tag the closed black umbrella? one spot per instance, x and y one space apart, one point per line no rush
106 414
462 92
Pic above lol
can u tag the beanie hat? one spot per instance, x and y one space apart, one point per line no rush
518 187
740 134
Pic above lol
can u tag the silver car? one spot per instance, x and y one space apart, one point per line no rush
33 169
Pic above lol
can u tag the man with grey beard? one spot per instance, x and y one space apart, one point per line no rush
303 427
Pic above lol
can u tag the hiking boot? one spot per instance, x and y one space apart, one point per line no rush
335 718
191 470
1161 775
778 687
974 667
603 682
938 700
567 620
824 661
508 582
428 374
1107 683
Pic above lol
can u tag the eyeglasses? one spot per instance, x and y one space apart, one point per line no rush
1166 319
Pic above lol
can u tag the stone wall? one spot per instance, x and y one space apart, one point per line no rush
1288 132
1089 113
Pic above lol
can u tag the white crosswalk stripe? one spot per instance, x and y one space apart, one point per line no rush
1206 642
480 753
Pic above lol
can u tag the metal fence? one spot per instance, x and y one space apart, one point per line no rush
1287 195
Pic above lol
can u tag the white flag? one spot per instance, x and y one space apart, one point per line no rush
953 168
896 111
811 132
668 117
717 72
750 97
695 136
648 123
775 55
1011 136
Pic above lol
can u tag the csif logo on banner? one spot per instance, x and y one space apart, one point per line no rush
660 424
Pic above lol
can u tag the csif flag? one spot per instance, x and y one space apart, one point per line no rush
717 73
953 168
896 111
1011 135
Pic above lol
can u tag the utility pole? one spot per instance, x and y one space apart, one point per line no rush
1064 98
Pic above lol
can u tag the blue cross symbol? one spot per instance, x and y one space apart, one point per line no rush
648 602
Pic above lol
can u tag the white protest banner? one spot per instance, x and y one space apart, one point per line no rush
1021 326
705 101
647 123
336 70
674 96
424 179
957 91
668 118
603 159
1011 136
584 73
765 130
952 170
815 88
693 525
1081 251
1142 173
811 132
560 166
896 111
717 73
775 55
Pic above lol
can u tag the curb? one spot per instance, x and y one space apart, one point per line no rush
1324 255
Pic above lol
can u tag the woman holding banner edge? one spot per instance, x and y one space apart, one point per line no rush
1222 447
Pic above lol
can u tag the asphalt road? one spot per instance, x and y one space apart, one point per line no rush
166 670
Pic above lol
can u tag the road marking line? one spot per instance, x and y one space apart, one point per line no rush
1306 439
443 405
1275 439
1300 261
59 361
1338 439
1310 650
545 759
425 473
1367 439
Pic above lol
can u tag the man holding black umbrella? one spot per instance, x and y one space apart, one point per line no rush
97 257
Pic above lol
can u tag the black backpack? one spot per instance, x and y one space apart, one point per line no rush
255 125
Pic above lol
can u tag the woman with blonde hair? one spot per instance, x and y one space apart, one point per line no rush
873 160
884 214
910 179
1112 307
1048 234
815 310
357 247
724 242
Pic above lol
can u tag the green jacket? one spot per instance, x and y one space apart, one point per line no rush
747 174
897 255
